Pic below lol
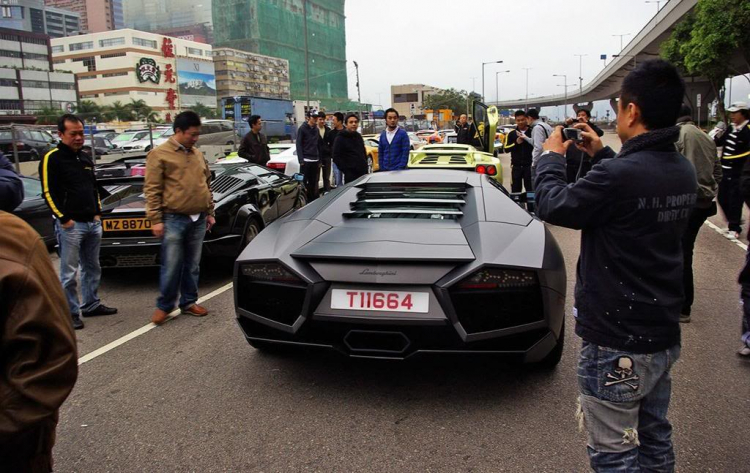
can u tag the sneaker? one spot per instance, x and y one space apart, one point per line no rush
732 235
744 351
195 310
101 309
77 323
159 317
684 318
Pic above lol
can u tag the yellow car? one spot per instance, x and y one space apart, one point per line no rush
455 156
371 148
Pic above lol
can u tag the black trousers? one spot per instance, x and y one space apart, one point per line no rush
351 175
326 174
312 175
730 201
520 178
697 218
744 281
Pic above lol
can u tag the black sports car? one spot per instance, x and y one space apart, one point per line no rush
247 198
34 210
407 262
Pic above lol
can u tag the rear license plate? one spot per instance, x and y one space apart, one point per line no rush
384 301
126 224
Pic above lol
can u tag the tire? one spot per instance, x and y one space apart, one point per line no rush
230 143
252 229
370 164
553 358
147 148
301 200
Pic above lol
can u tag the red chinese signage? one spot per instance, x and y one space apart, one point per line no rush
167 48
169 74
171 97
168 118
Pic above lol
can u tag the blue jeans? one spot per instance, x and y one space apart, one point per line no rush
338 176
180 260
79 246
623 405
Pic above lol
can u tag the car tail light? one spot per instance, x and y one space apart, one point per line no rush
488 169
137 171
271 291
497 298
281 167
20 145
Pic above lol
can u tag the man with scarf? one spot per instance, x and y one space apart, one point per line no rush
633 209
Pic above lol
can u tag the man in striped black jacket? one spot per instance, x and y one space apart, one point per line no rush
71 192
736 149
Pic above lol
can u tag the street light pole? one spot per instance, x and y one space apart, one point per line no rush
497 88
657 2
484 64
565 79
621 36
580 72
307 59
527 69
359 96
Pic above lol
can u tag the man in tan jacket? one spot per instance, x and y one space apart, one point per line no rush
180 206
38 359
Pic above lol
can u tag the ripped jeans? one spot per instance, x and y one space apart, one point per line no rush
623 405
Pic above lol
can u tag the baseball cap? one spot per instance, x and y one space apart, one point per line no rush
737 106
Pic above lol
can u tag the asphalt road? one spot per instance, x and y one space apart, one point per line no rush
192 395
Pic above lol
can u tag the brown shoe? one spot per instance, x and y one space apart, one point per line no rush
195 310
159 317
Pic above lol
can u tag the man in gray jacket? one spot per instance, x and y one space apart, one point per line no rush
700 150
540 131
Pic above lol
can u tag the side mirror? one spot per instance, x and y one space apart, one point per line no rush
298 177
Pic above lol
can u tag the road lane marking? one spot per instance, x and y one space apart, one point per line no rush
145 329
721 232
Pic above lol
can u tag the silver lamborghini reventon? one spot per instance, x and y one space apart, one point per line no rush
401 263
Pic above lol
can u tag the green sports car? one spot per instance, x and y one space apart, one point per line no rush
454 156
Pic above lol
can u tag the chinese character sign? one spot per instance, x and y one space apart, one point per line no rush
147 70
167 48
171 97
169 74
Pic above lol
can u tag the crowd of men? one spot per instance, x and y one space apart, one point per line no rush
634 282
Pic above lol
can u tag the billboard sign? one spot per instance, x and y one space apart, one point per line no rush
196 82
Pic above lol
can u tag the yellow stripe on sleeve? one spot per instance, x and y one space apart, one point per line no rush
45 185
736 156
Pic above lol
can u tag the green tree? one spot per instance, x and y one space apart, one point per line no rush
450 99
118 111
88 109
48 115
705 42
141 110
204 111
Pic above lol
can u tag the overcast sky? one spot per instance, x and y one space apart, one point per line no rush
444 42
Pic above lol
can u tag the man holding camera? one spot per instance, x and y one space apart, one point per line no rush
633 211
575 159
520 145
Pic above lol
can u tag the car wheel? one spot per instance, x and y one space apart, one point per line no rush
369 164
147 148
230 143
251 231
34 155
553 358
301 201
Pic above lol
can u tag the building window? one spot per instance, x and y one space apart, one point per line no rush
106 43
110 94
6 53
87 77
59 61
144 42
195 51
62 85
7 83
36 57
107 56
81 46
404 98
58 49
89 96
35 84
115 74
89 62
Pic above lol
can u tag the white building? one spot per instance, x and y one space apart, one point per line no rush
168 74
27 82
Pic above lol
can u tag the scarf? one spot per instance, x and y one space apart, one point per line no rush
662 139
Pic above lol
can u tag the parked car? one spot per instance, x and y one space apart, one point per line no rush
247 199
274 149
144 145
218 132
371 150
351 272
34 210
416 142
32 144
102 146
109 134
285 161
128 137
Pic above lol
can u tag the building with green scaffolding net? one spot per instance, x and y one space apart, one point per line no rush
277 28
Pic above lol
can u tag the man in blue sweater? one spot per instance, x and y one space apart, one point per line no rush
394 144
633 209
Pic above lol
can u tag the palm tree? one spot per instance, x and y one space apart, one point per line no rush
88 109
140 109
47 115
118 111
203 110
